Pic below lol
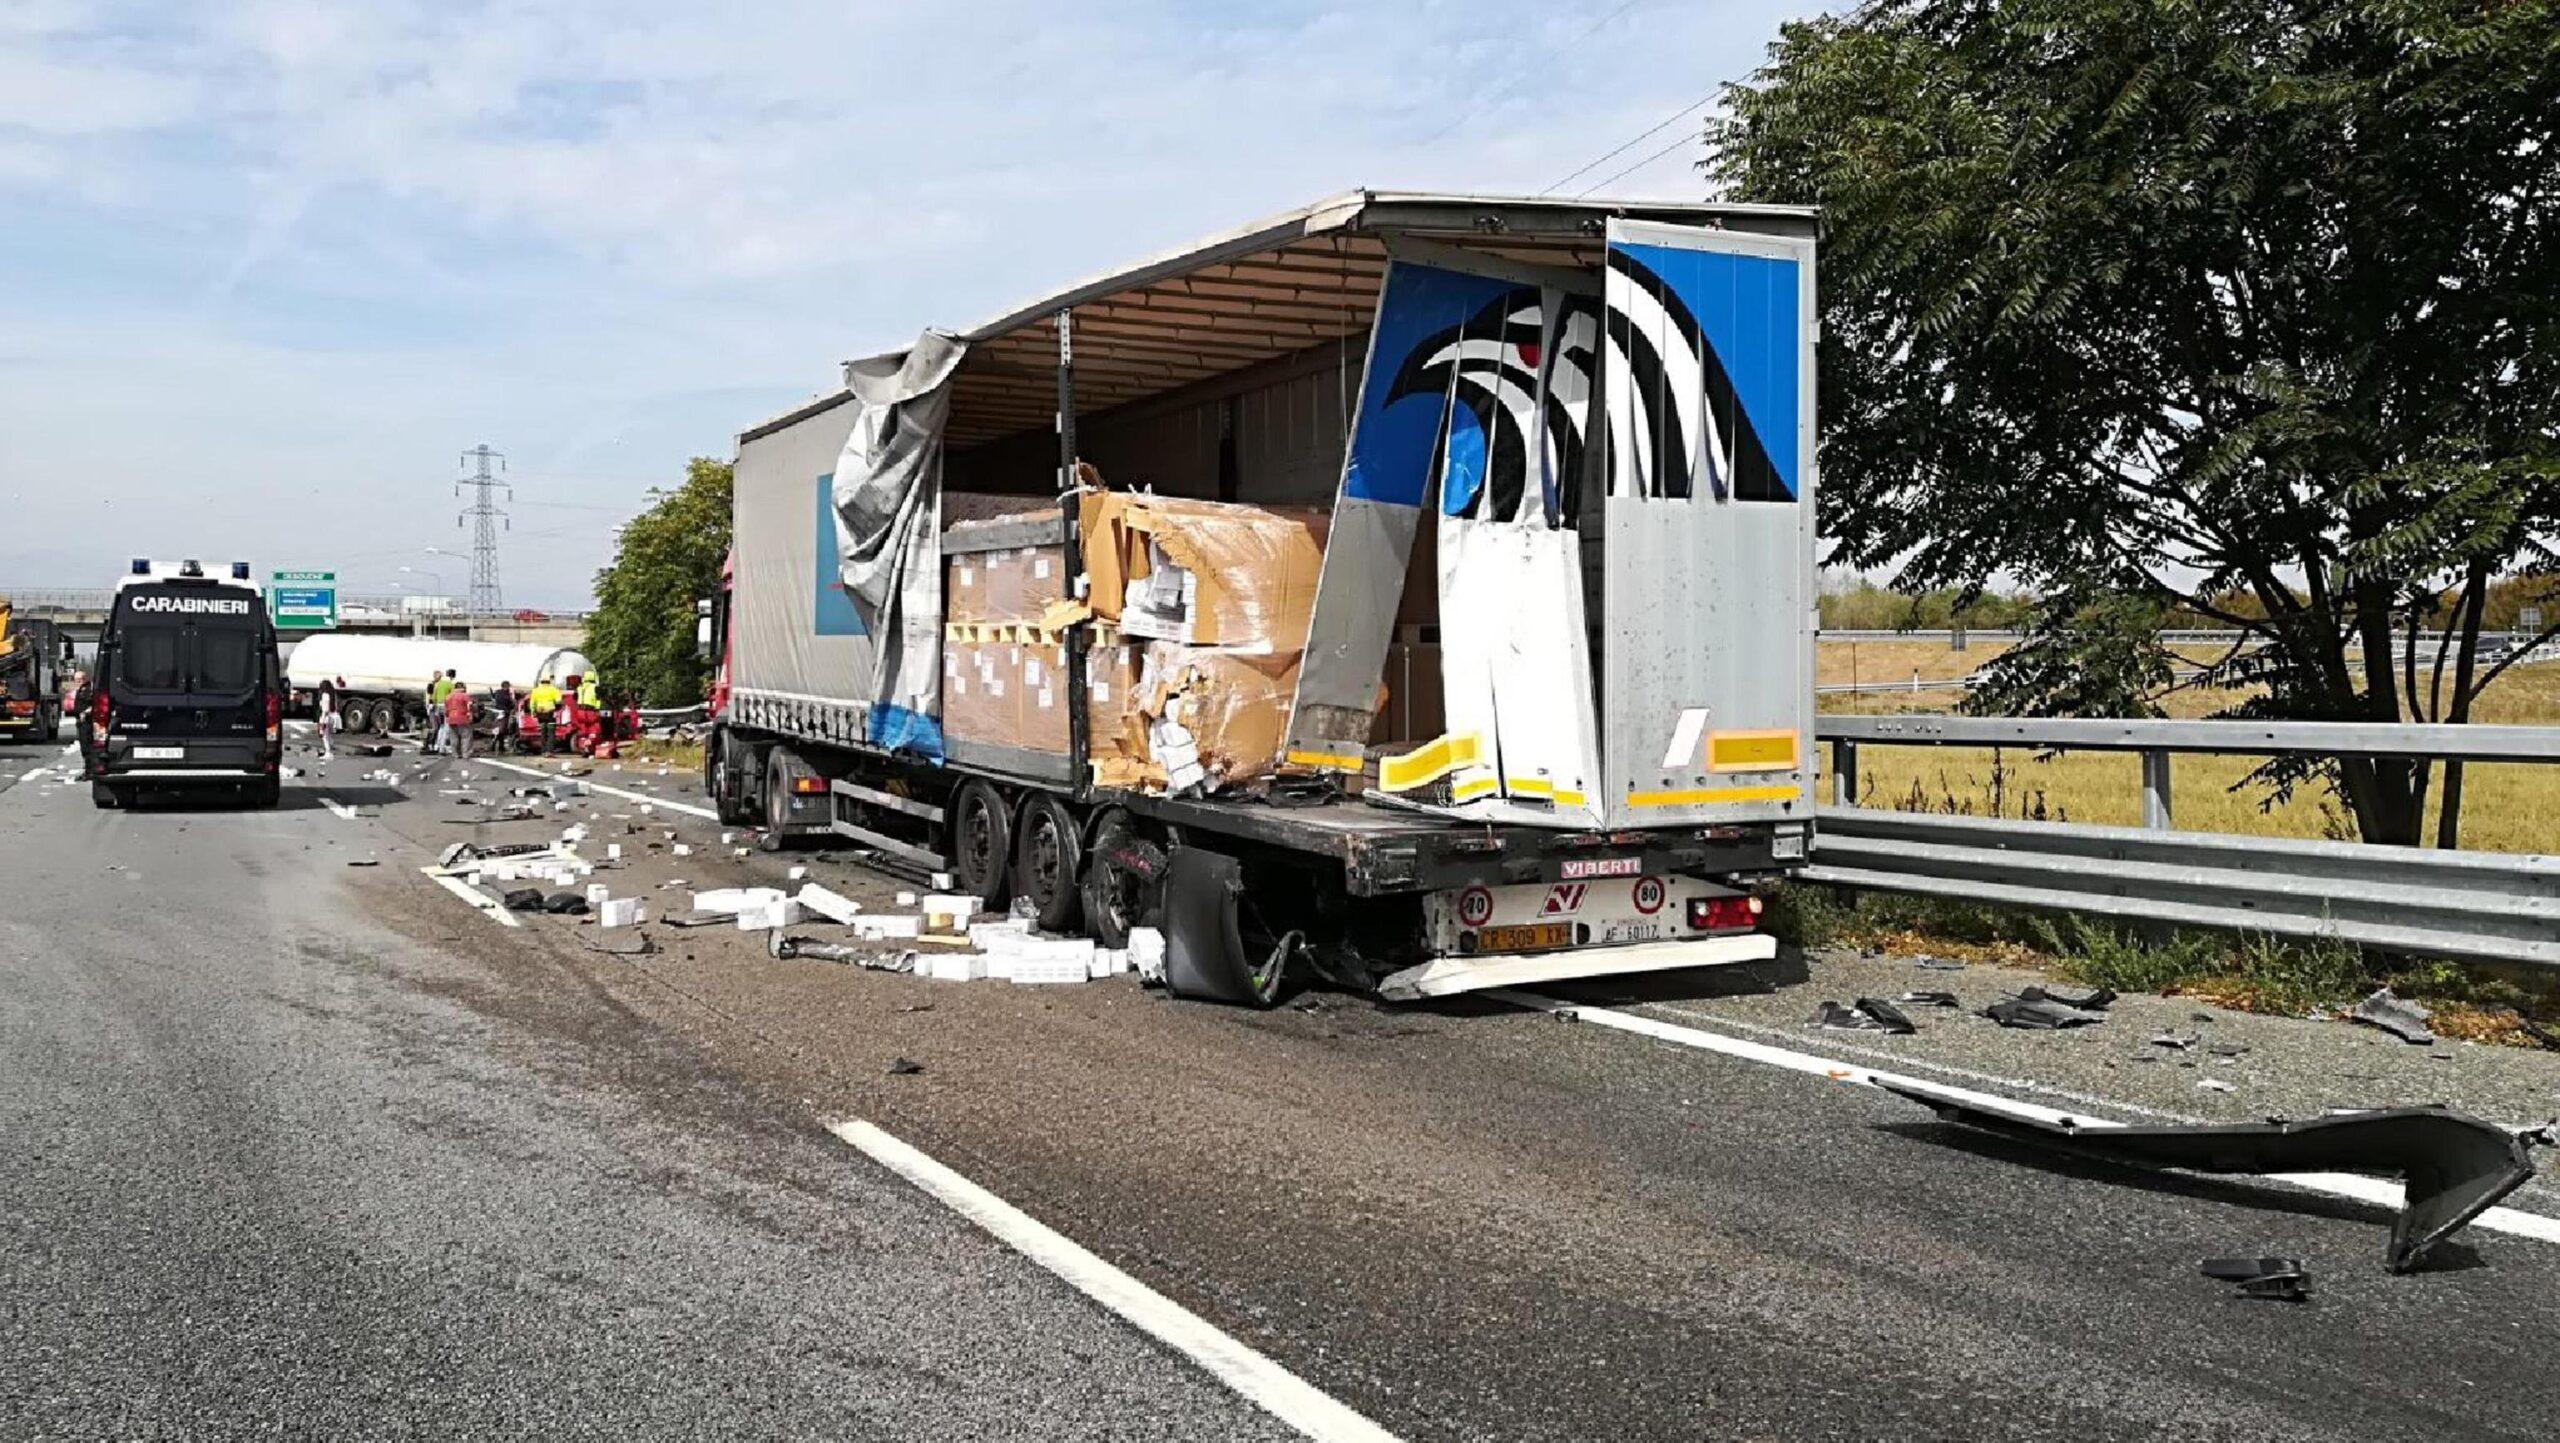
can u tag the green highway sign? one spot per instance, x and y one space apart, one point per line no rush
303 600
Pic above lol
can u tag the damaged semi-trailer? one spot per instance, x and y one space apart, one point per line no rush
1411 589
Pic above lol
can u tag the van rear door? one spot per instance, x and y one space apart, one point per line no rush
189 688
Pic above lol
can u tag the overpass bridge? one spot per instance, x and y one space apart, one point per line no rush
82 612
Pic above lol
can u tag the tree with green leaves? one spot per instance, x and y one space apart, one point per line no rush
2178 302
641 635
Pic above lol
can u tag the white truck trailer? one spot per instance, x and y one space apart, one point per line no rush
1562 453
383 679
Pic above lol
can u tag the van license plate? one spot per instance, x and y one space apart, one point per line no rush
1527 937
159 754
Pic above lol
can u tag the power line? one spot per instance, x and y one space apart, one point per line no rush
1631 143
1506 87
1630 170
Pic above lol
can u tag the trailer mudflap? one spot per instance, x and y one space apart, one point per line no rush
1205 953
1448 976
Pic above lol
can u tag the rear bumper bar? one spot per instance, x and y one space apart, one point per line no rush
1447 976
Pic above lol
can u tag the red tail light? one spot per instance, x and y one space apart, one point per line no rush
1723 914
275 714
808 786
102 712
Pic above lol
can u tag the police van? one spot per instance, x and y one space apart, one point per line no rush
188 692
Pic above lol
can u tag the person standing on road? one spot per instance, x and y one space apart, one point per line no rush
504 704
457 718
544 702
437 732
325 706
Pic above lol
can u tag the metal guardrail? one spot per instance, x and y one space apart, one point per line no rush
2481 906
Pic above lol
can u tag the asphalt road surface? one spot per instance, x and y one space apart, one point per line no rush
300 1147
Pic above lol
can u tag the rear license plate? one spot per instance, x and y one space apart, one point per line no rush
159 754
1527 937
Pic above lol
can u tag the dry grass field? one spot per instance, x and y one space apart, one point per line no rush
2506 808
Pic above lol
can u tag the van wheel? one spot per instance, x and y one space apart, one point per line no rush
981 841
1123 877
108 798
1048 863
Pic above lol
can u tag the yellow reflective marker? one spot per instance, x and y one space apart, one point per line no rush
1757 751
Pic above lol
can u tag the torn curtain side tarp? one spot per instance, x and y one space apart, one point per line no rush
888 515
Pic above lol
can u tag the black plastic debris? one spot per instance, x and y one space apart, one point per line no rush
2396 1015
2039 1014
523 899
904 1067
2276 1279
2453 1167
1868 1014
2097 1001
1929 999
565 904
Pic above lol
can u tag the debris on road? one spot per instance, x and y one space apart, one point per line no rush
523 899
2097 1001
1930 999
2396 1015
786 948
1868 1014
2214 1084
2453 1167
904 1067
631 944
2040 1013
2277 1279
2177 1041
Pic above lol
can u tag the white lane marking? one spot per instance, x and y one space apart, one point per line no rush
2332 1184
1266 1384
688 808
1947 1069
479 901
31 776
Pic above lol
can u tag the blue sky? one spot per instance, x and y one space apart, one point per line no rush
266 269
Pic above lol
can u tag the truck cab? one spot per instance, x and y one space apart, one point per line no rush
188 693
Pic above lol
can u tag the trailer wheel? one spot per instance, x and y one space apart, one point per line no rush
1048 862
1123 881
981 841
386 716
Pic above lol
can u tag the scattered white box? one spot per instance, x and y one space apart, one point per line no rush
947 916
953 967
734 899
798 874
885 927
833 907
766 916
622 912
597 892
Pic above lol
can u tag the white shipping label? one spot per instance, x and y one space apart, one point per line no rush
994 687
1101 691
1031 672
968 576
959 686
1040 569
1044 698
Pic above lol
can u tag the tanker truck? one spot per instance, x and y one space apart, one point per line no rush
382 680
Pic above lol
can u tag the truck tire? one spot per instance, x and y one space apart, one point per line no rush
48 723
351 715
1123 877
386 716
982 841
1048 863
726 766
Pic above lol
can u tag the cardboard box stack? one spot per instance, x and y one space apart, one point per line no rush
1195 619
1003 674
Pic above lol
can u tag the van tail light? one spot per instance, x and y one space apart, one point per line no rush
1723 914
275 715
102 712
